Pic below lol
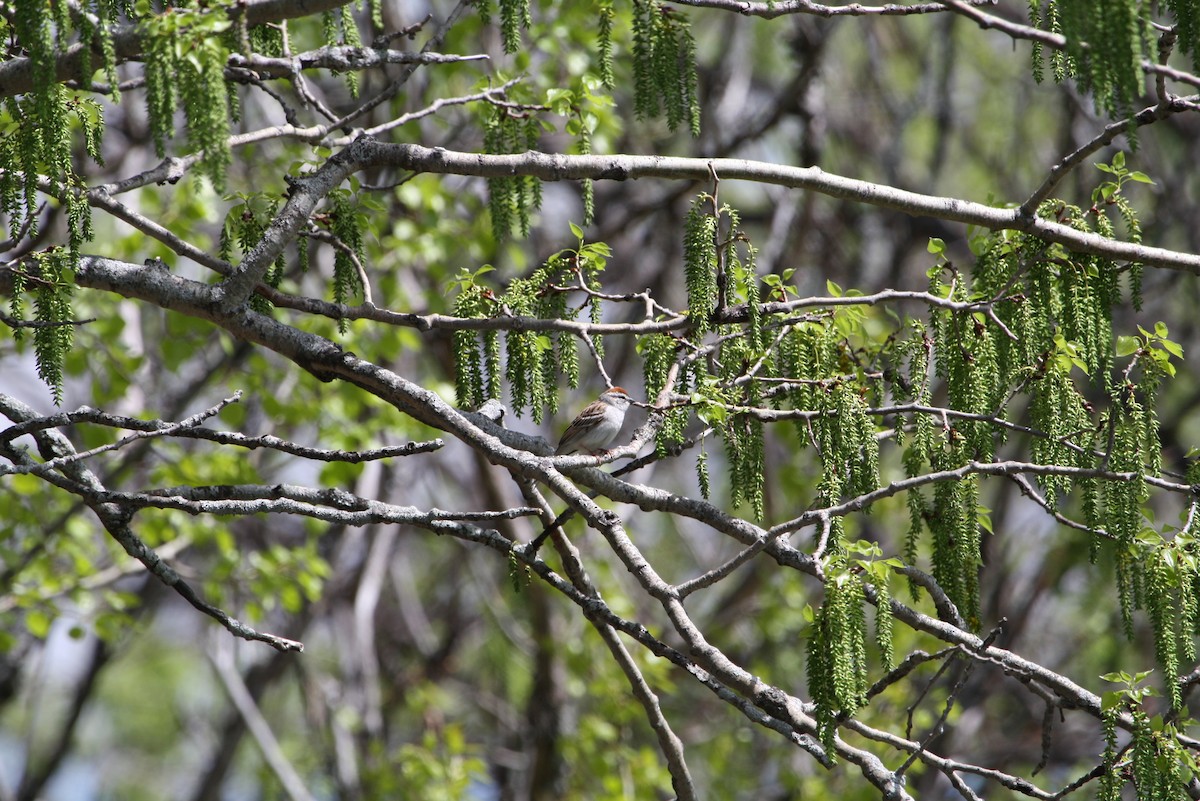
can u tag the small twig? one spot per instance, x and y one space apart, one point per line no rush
718 573
596 359
1164 108
441 103
336 241
408 32
826 527
156 428
1031 492
396 85
951 699
1047 732
223 662
779 8
166 430
23 231
910 663
13 322
946 609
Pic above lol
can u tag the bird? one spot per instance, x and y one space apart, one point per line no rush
597 425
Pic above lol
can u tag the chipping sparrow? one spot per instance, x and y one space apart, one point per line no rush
597 425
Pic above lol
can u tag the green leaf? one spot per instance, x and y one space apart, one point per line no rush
37 623
558 97
1127 345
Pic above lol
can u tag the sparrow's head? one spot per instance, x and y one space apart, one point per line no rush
617 396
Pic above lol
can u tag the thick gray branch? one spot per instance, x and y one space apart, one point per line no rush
366 152
340 59
550 167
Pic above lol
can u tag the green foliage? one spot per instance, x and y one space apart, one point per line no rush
663 55
920 443
185 62
847 441
345 220
534 360
665 82
1031 318
1154 759
582 108
1024 333
606 750
969 365
340 28
31 149
664 65
955 533
472 300
1187 24
442 766
42 554
1055 399
1027 319
743 437
604 44
658 352
32 25
48 279
511 198
837 652
1109 194
267 40
700 264
884 624
1106 42
1160 588
286 576
719 270
1110 786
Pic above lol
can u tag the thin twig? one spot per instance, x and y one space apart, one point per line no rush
223 663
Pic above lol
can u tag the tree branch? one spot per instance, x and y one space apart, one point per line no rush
788 7
259 729
365 152
16 75
115 519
